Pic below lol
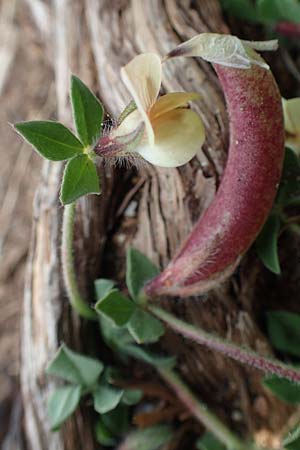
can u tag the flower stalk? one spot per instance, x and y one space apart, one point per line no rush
68 266
200 411
233 351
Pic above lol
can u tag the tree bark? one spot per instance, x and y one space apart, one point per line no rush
94 38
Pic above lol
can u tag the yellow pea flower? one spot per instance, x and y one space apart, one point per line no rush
161 130
291 112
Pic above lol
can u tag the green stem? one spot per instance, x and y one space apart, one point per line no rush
233 351
200 411
68 265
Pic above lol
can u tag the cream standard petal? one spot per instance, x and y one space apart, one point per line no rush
291 111
142 77
171 101
179 134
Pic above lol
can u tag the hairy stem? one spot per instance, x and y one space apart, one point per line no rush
68 266
200 411
233 351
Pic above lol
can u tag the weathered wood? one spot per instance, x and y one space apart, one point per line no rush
94 38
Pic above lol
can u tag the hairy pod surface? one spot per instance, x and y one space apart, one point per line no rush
247 190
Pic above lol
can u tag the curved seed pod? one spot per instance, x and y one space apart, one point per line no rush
245 196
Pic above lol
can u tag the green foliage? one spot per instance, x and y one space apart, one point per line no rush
144 327
266 243
80 178
283 389
292 440
117 420
122 322
103 435
132 396
139 270
267 12
87 112
288 194
116 306
62 404
289 189
115 337
243 9
52 140
273 11
151 438
55 142
209 442
106 398
102 287
284 331
74 367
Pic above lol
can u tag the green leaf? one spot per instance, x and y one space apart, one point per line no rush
285 390
289 189
145 328
151 438
266 244
132 396
80 178
243 9
273 11
52 140
149 357
102 287
103 435
284 331
75 367
87 112
117 420
116 306
106 398
209 442
139 269
62 403
292 440
114 336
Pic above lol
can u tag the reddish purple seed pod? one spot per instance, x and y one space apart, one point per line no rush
247 190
